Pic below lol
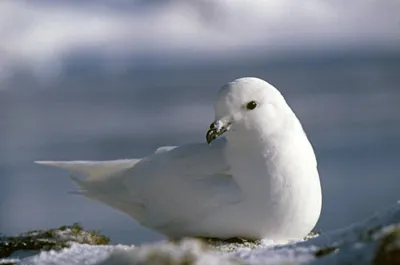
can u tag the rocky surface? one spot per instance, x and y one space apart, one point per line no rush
51 239
374 241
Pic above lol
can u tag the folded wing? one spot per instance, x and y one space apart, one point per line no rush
164 191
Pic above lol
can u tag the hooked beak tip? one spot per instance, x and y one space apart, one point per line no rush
216 129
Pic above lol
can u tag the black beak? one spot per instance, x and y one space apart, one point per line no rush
215 130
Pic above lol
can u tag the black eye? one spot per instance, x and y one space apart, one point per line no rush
251 105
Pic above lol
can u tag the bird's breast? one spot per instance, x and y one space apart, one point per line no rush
281 188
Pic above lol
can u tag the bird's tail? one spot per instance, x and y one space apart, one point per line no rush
93 170
102 183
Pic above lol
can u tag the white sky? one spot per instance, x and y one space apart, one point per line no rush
39 32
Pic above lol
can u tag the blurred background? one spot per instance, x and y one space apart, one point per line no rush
98 80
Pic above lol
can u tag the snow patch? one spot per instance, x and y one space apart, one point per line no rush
376 239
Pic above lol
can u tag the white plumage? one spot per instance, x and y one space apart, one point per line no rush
261 181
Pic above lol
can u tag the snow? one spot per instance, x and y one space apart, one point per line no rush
356 244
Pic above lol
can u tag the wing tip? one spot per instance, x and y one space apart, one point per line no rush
60 164
42 162
47 163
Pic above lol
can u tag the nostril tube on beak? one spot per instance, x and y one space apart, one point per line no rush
216 129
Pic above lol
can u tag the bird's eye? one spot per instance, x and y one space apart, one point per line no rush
251 105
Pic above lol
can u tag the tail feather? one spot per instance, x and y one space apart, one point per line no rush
93 169
113 194
102 183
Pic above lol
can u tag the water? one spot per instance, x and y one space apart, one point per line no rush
348 106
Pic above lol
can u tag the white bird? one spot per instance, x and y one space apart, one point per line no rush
260 181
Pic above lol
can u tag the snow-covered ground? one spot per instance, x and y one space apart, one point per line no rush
375 240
